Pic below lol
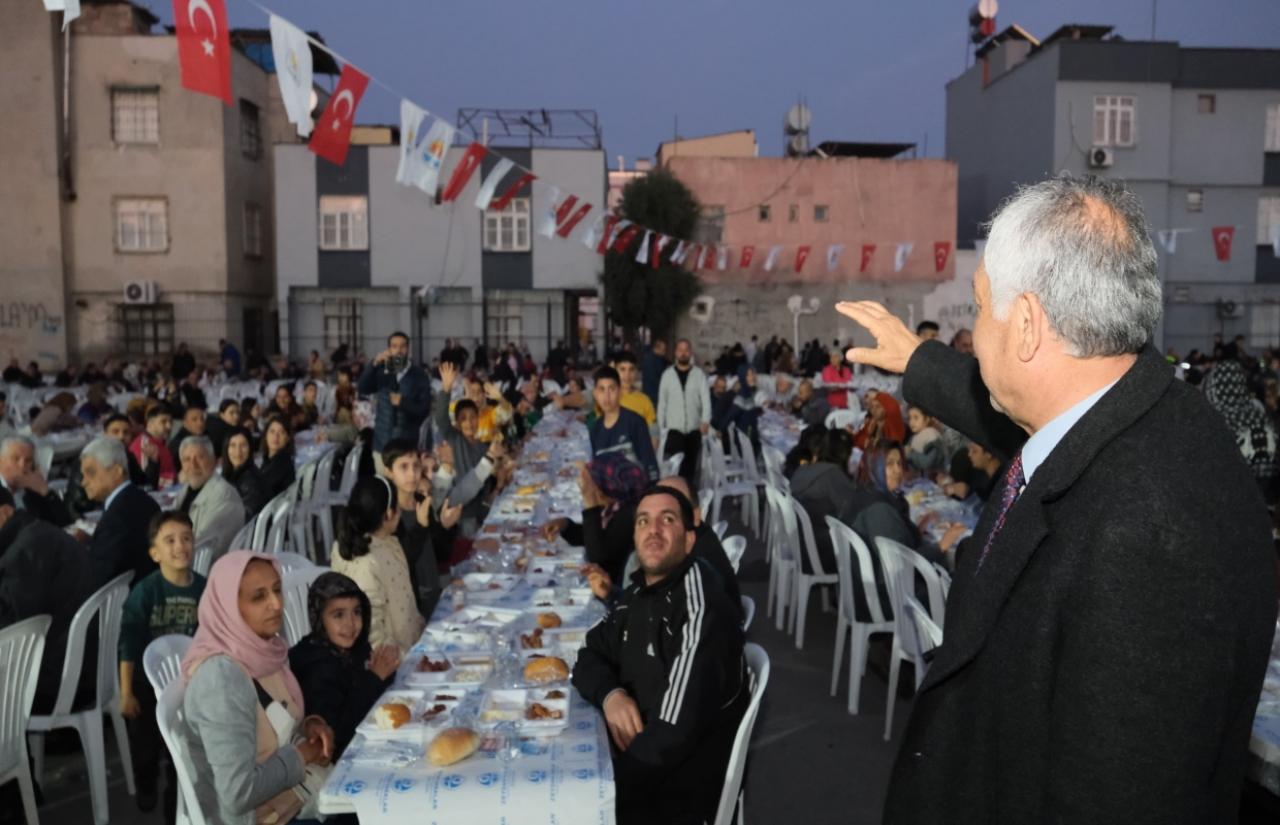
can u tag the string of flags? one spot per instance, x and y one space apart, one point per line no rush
1223 238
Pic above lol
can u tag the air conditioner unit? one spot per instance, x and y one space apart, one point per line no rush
1230 309
702 308
1101 157
140 292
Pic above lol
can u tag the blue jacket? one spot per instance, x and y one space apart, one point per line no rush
405 420
652 366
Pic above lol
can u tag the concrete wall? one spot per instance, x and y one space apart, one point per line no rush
561 263
1223 148
883 202
32 302
296 215
1000 136
740 144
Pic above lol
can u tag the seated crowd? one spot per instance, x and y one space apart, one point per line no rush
665 667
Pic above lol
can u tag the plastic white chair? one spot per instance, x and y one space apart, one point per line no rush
781 553
849 545
243 540
748 612
350 471
839 419
704 502
805 582
21 649
733 796
720 529
162 660
671 466
725 482
735 547
266 521
169 718
292 561
928 635
107 606
203 559
901 564
296 583
279 537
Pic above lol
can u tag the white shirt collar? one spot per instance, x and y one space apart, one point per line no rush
113 495
1040 446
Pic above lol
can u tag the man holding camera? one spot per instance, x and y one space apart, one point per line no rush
403 392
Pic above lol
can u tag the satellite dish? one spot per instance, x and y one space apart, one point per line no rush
797 120
794 303
798 144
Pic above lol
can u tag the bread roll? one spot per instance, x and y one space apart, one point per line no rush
453 745
546 669
391 715
548 620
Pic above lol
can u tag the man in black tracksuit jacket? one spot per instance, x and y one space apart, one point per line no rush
666 668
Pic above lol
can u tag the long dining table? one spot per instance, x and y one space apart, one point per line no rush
485 629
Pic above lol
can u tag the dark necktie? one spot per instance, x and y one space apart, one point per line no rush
1014 481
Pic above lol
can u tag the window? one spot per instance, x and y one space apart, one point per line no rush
820 214
1272 143
1206 104
252 230
1195 200
1115 121
766 213
344 222
142 225
508 230
1268 218
147 330
710 227
343 322
250 131
135 115
793 213
504 321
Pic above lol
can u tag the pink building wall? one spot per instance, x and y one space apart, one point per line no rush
869 201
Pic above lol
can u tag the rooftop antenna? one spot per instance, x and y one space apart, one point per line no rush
795 126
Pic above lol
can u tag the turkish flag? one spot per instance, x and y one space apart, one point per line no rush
1222 236
868 249
941 251
568 222
802 255
466 168
508 196
332 136
747 253
610 221
204 46
693 257
625 237
659 243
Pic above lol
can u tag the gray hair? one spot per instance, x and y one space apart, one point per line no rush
107 452
18 440
194 441
1082 247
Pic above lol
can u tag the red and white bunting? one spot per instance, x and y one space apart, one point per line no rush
1222 237
332 135
771 260
941 252
642 254
204 47
868 250
512 192
464 171
901 254
833 256
659 244
802 255
748 252
490 183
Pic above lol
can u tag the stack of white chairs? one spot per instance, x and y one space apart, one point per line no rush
901 566
849 546
733 795
107 606
725 482
802 528
781 554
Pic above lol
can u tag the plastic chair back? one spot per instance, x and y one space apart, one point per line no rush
787 538
322 482
839 419
296 584
671 466
705 498
849 545
350 470
758 674
169 718
748 611
720 529
748 453
21 649
806 532
109 602
735 547
244 539
293 561
203 558
912 564
162 660
927 634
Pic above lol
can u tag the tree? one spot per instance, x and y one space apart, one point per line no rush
637 295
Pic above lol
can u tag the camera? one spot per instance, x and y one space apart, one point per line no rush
396 363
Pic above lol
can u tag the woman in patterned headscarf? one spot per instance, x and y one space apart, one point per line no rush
1228 392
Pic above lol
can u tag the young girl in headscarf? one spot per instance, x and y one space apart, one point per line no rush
341 674
249 739
368 551
883 423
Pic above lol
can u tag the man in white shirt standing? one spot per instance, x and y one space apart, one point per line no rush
684 409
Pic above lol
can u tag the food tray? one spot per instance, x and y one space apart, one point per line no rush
465 669
515 705
545 597
483 583
479 617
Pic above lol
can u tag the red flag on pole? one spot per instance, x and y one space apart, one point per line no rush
508 196
941 251
747 253
204 46
802 255
610 221
1222 236
467 167
868 249
568 222
332 136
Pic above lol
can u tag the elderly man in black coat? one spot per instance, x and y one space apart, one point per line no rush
120 540
1110 618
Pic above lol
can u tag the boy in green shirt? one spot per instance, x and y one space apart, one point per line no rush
164 602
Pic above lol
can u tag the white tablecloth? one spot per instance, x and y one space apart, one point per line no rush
564 780
1264 745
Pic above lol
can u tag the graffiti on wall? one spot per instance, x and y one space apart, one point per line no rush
29 330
